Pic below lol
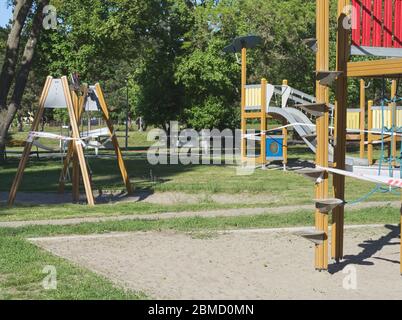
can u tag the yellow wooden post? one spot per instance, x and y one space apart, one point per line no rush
322 64
285 137
362 117
263 122
76 166
78 147
343 51
394 122
370 135
243 103
119 155
28 145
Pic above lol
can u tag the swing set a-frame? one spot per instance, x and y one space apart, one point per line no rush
57 93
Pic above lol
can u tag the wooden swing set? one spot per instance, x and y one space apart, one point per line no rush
58 94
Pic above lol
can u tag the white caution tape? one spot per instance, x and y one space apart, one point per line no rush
46 135
389 181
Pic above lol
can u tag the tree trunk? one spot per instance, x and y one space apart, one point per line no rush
22 75
7 74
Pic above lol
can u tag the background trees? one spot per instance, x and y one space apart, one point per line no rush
167 52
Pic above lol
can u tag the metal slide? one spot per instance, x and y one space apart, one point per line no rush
308 133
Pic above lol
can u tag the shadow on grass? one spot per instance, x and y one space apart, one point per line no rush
370 248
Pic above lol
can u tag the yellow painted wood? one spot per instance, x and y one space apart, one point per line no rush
353 120
322 64
362 117
376 68
28 145
243 101
285 136
263 99
119 155
393 113
370 135
253 115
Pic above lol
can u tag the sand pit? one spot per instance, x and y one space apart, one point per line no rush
248 264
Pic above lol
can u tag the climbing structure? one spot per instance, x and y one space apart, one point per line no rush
366 37
57 93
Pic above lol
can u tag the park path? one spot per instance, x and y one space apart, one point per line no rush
185 214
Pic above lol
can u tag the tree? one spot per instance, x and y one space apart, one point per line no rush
10 73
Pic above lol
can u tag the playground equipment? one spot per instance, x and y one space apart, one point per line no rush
58 94
376 32
379 39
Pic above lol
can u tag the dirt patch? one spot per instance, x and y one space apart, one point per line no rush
245 264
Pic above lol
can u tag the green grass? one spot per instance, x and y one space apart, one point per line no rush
380 215
21 266
37 212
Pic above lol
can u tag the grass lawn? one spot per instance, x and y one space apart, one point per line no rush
21 276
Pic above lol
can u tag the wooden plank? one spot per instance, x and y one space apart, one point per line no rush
253 115
394 89
370 135
106 117
76 165
376 68
28 145
263 121
322 93
78 147
243 101
362 117
341 106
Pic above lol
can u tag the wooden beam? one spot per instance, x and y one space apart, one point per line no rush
28 145
393 108
341 106
263 121
70 150
370 137
76 165
362 117
78 147
106 117
285 136
322 64
243 102
376 68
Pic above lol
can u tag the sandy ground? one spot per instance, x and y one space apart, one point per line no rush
244 264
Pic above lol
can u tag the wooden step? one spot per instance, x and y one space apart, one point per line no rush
326 78
313 235
327 205
315 109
